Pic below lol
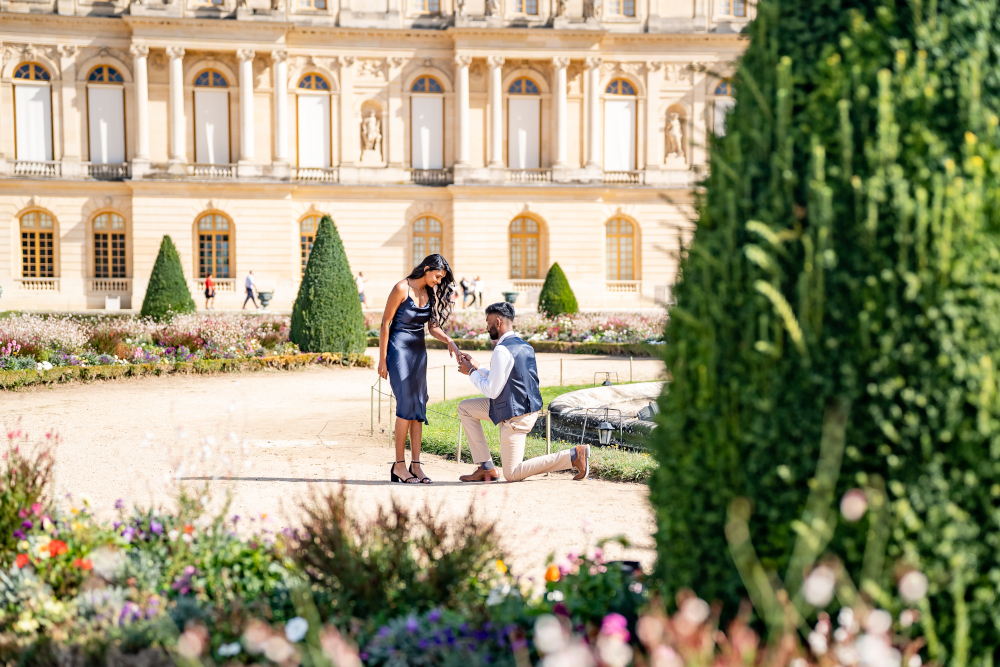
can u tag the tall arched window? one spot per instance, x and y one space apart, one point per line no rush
211 118
106 115
32 113
307 236
109 246
313 116
722 106
426 238
38 257
524 243
619 126
524 124
427 123
620 234
215 233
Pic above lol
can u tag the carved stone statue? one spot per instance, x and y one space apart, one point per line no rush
675 136
592 9
561 7
493 7
460 8
372 136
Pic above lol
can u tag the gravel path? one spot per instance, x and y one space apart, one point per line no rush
282 435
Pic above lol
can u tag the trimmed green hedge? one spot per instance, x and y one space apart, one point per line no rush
556 297
168 291
64 374
613 349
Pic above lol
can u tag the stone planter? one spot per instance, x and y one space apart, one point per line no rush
265 298
510 297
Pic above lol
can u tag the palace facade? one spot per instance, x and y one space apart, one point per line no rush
506 134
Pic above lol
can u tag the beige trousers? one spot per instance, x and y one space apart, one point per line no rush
474 411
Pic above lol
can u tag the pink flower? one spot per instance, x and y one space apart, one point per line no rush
615 625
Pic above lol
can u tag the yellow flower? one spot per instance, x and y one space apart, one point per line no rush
27 624
76 525
501 568
23 545
74 510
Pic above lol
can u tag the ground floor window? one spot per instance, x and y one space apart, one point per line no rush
524 242
109 246
426 238
37 245
214 249
307 236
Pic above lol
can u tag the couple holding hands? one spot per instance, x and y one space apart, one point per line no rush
510 386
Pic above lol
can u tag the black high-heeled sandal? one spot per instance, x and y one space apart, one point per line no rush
393 477
423 480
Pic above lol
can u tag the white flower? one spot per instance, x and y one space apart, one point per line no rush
497 595
276 649
554 596
878 622
915 661
819 586
853 505
173 534
877 652
913 586
846 618
295 629
229 650
549 635
817 643
614 652
695 611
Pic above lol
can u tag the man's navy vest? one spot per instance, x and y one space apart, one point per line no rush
520 396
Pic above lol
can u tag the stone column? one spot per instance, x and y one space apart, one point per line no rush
350 132
462 102
496 113
279 71
560 64
392 139
177 138
71 144
140 161
593 113
246 164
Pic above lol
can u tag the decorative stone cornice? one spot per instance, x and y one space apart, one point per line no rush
395 62
67 50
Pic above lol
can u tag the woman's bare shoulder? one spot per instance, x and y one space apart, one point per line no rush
402 287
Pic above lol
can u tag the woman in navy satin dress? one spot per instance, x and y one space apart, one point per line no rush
422 298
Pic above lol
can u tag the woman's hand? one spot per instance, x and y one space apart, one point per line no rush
383 369
453 350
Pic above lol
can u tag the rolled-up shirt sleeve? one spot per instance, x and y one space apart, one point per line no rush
491 382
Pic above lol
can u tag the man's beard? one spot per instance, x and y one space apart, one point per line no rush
494 334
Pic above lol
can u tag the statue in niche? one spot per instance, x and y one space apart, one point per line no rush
675 136
460 8
561 7
371 134
592 9
493 7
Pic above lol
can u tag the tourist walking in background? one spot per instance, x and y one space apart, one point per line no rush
209 291
513 401
466 290
423 297
251 288
478 287
360 282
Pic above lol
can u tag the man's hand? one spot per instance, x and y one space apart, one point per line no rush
466 365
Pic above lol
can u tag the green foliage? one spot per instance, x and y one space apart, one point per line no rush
327 314
398 562
846 252
556 297
167 293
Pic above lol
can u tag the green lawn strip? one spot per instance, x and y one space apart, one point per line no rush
610 463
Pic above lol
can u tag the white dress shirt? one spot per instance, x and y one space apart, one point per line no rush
492 381
251 283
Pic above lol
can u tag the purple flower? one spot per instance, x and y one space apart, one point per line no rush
19 534
27 525
119 504
423 644
236 518
384 631
128 534
363 655
155 527
434 616
411 625
189 570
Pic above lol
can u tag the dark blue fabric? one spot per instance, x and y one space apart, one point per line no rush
406 360
520 396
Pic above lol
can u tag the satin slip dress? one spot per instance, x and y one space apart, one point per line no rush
406 359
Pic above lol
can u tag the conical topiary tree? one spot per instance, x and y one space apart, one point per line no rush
327 314
842 288
167 292
556 297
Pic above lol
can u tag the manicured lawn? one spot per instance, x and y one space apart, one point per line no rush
610 463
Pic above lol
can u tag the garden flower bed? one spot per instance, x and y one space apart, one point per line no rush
36 349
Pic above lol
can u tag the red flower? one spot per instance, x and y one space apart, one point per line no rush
188 529
57 547
22 560
83 564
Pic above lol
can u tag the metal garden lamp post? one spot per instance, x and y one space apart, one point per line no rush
604 432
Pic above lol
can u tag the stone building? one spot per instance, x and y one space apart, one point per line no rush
506 134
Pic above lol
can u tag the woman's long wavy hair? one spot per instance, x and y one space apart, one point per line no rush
440 298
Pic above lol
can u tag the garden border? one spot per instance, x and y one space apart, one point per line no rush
612 349
64 374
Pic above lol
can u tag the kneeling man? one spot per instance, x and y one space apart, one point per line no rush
512 402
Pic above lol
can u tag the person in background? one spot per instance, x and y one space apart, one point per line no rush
466 290
251 288
209 292
360 281
478 285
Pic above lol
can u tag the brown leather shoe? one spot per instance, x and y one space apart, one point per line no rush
481 475
582 462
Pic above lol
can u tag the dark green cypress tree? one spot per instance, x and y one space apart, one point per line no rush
843 283
327 314
556 297
167 292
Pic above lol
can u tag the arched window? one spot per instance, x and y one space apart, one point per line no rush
211 118
313 117
38 259
722 106
620 234
736 8
32 113
524 243
214 246
307 236
106 115
109 246
426 238
427 124
619 126
524 124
